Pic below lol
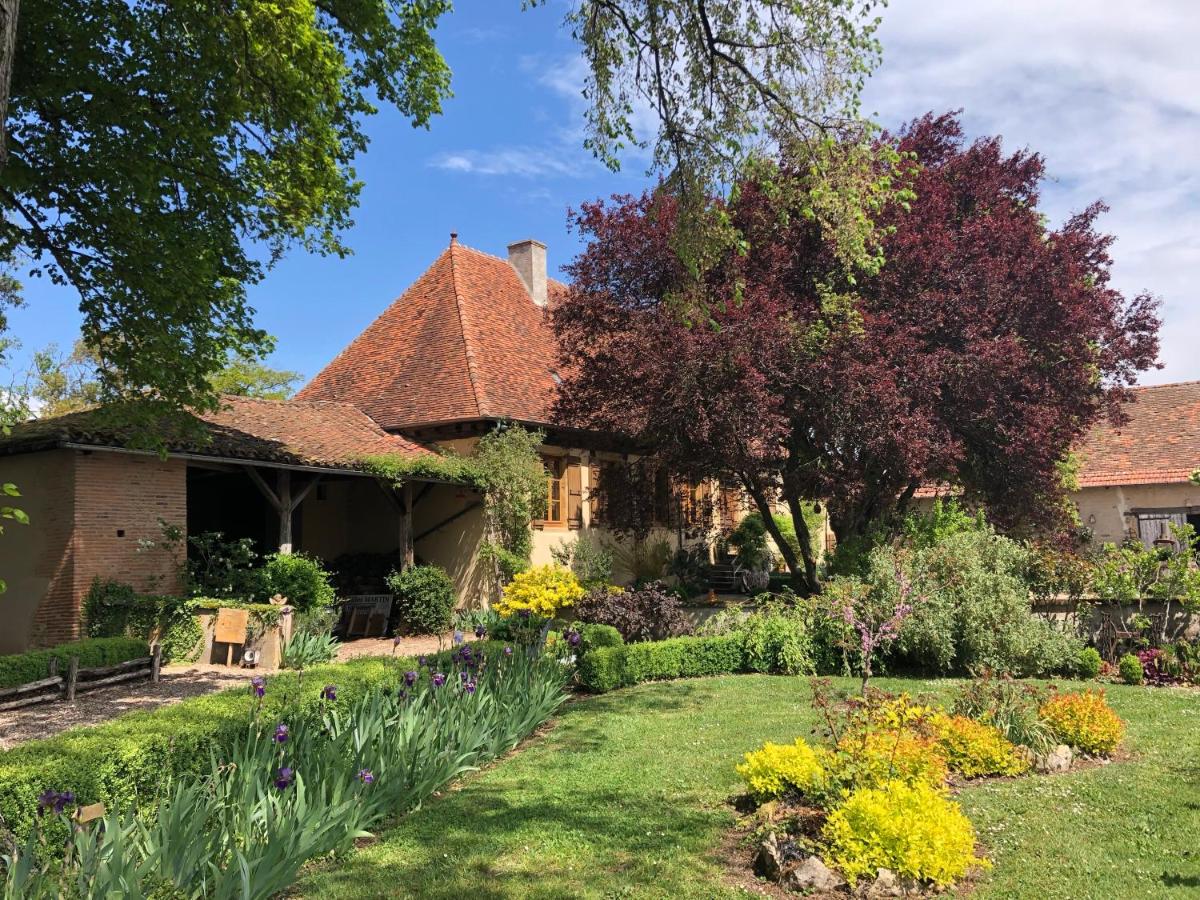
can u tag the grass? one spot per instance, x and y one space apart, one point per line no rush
628 796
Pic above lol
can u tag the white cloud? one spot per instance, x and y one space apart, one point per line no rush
1106 92
520 162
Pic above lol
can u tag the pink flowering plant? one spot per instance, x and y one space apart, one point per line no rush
873 613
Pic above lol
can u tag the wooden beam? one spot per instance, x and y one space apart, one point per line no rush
406 527
446 521
286 506
263 486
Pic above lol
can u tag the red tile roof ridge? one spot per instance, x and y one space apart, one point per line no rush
467 329
492 256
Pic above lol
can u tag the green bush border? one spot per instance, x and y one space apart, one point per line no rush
22 668
608 668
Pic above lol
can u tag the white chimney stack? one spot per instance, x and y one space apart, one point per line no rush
528 257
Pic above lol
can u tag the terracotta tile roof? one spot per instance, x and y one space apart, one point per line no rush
1160 444
465 341
298 432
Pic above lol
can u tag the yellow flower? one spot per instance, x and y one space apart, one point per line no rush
542 590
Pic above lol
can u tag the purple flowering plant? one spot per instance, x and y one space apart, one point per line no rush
873 615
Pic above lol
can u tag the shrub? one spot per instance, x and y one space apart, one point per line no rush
1130 668
590 560
686 657
1089 663
114 609
1084 721
22 668
778 637
301 579
424 599
649 613
910 828
217 567
776 769
1012 708
594 637
973 749
976 612
749 541
542 591
874 758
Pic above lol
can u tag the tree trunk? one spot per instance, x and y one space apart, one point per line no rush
804 537
8 50
798 570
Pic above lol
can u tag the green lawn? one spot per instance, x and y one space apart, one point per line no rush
627 796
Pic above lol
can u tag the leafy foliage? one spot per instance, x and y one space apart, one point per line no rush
648 613
220 567
1013 708
911 828
1023 341
154 144
302 579
1089 664
541 591
776 769
588 558
1084 721
687 657
973 749
595 637
306 649
782 636
424 599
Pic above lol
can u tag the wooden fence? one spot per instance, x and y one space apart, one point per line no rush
76 680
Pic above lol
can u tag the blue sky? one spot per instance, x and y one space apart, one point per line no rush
1106 91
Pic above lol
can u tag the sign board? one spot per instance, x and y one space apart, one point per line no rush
231 626
86 814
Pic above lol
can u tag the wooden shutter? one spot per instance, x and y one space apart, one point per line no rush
573 480
595 495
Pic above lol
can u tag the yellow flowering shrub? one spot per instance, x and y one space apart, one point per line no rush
774 769
542 590
913 829
973 749
872 758
1085 721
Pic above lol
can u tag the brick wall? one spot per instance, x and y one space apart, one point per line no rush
119 499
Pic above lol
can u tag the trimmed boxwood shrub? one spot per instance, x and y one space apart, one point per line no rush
424 599
22 668
688 657
593 637
302 579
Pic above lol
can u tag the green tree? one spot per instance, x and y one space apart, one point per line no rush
163 155
248 377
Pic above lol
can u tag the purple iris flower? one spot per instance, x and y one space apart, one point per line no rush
524 613
480 631
396 640
458 637
285 777
258 685
463 675
365 776
508 651
469 687
329 692
438 679
55 800
410 678
573 637
422 662
403 695
281 733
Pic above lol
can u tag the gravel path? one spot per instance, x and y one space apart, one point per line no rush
177 683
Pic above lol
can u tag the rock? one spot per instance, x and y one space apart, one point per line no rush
887 884
1057 760
813 875
769 862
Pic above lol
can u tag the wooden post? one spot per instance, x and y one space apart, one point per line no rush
155 663
72 677
53 666
286 508
406 527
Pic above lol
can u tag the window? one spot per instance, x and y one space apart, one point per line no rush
556 501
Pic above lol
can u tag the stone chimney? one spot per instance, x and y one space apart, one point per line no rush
528 257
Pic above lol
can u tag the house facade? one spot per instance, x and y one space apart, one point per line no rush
465 348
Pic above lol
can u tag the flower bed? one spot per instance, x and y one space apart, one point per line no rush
299 777
872 808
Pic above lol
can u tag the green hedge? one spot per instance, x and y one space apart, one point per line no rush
686 657
132 757
23 668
